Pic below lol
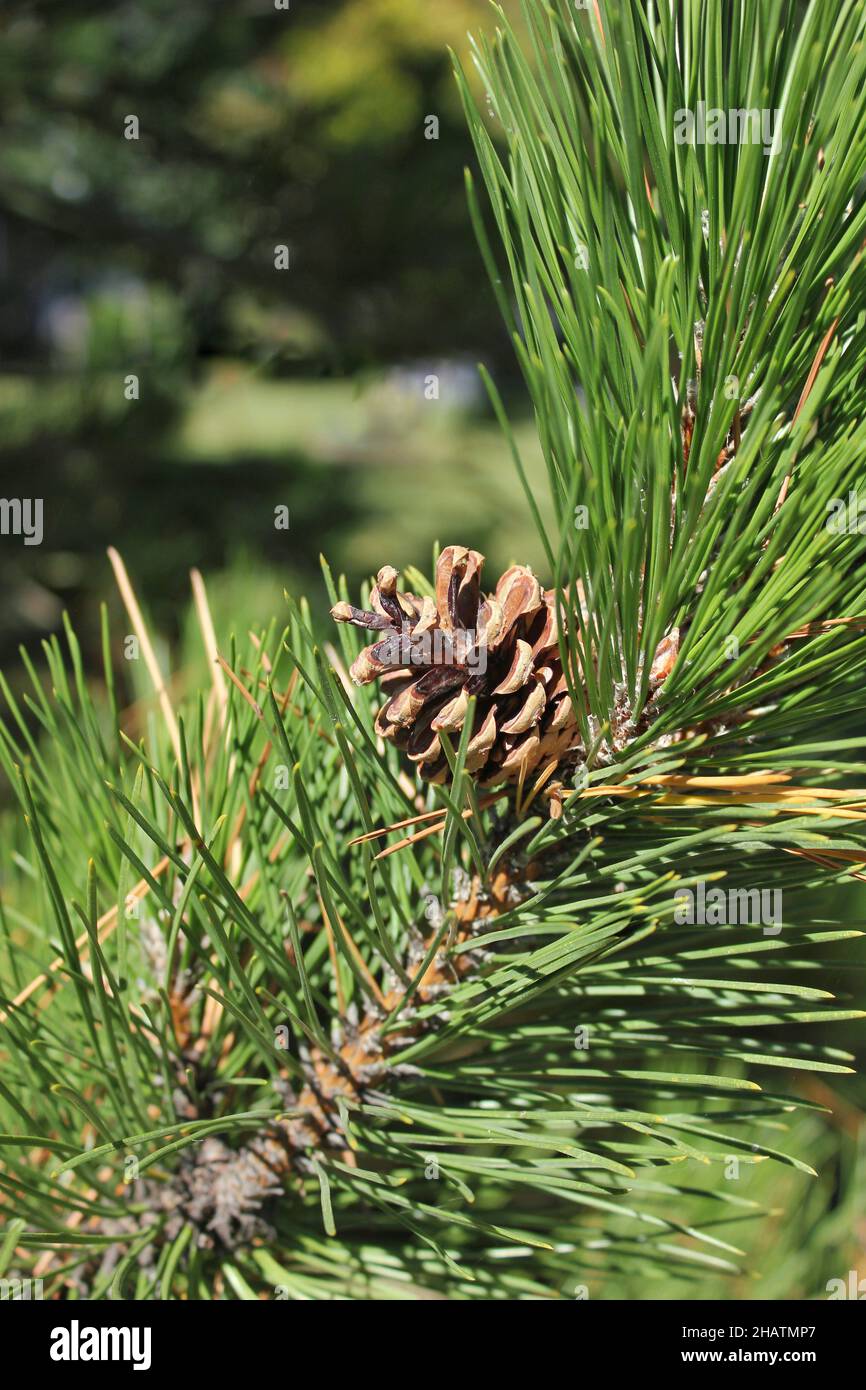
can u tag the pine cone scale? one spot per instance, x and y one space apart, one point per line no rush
433 656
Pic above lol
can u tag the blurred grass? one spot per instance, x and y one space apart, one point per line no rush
417 470
370 470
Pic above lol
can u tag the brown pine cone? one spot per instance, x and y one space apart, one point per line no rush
431 657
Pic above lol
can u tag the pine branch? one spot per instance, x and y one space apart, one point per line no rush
279 1015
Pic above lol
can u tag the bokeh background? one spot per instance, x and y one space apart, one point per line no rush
307 388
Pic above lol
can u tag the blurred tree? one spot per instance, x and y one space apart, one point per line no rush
153 157
253 127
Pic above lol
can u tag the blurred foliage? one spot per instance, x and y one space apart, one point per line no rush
258 127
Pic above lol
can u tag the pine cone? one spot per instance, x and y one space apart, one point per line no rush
431 657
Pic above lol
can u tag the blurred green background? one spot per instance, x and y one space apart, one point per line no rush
310 388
